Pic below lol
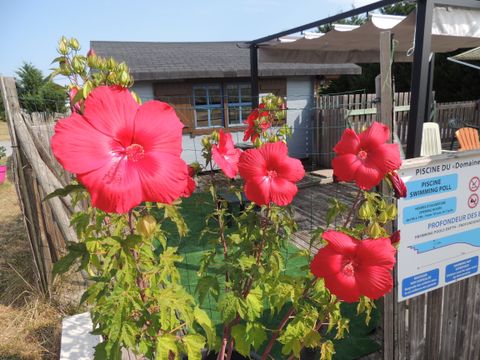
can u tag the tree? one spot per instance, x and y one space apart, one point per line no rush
38 94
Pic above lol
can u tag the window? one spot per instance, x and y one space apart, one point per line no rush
208 104
239 101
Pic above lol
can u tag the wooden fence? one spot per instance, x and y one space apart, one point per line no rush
36 174
333 113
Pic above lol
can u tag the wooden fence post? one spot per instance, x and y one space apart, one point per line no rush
47 222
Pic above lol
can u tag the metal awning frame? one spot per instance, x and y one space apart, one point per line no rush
421 69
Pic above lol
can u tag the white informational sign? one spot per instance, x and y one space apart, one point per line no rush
439 222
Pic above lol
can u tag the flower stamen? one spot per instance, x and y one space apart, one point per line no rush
349 269
362 154
135 152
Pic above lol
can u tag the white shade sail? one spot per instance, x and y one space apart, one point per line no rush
452 28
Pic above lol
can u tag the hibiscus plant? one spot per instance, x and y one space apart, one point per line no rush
129 177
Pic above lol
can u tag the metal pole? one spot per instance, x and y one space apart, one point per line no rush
254 74
418 102
430 99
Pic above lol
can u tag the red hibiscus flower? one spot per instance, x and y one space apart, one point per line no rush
225 154
190 188
270 174
399 187
365 158
353 268
258 121
122 152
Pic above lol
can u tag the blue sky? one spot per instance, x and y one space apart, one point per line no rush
30 29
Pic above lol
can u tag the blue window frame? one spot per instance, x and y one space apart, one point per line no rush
239 100
208 105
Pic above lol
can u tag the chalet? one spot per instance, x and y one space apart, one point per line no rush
208 84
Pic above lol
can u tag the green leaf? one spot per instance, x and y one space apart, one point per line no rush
165 344
108 350
327 350
354 348
256 334
172 213
75 251
87 88
242 345
194 344
246 262
254 304
207 284
206 323
92 292
229 305
67 190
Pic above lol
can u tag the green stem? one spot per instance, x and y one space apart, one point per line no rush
352 209
284 322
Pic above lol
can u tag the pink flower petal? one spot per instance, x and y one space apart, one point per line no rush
274 153
225 155
376 252
386 157
345 166
114 187
228 163
163 177
191 185
258 190
366 177
291 169
225 141
79 147
282 191
158 128
326 262
252 164
377 134
374 281
343 286
111 110
340 242
348 144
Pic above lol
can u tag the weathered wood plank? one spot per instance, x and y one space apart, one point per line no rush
434 324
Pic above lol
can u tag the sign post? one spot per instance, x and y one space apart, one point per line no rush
439 222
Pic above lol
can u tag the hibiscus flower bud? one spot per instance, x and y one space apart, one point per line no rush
74 44
382 217
146 226
366 211
205 142
375 230
398 185
392 212
91 52
395 238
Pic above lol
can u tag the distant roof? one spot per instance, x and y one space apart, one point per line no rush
190 60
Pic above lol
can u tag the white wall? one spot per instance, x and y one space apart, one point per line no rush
299 115
144 89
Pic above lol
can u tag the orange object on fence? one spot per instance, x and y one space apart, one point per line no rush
468 138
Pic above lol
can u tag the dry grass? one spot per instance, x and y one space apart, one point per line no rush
30 323
4 131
